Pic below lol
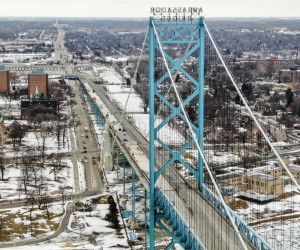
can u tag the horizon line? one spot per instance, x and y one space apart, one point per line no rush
146 17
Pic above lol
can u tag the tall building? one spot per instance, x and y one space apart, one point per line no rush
38 81
4 80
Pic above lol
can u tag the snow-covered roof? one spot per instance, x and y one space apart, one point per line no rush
262 176
294 167
251 194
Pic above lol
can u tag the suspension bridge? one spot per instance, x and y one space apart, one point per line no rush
200 119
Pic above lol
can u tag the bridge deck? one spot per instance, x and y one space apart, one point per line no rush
208 224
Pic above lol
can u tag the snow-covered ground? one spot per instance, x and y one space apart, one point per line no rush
19 218
134 106
108 74
82 226
280 233
223 158
81 171
116 59
13 181
19 57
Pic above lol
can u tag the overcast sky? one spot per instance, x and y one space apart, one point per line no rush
141 8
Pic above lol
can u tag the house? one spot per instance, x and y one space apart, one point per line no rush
280 135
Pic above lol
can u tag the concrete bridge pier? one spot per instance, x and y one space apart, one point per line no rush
107 149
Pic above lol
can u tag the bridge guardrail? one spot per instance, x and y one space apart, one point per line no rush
257 241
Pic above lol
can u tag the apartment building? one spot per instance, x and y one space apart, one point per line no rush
38 82
4 80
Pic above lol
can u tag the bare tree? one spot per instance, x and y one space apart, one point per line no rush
24 178
2 166
64 133
58 132
41 182
19 190
46 204
39 201
31 201
62 190
17 132
3 225
57 165
27 167
44 133
16 156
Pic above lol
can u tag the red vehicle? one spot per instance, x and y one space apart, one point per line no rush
94 161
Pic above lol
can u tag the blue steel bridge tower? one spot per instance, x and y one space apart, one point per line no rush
190 35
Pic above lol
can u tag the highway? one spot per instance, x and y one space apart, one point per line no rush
85 140
215 233
87 143
61 53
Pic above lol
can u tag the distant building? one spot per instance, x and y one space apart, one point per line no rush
4 80
261 183
265 184
38 80
280 135
295 170
31 108
289 75
236 180
274 64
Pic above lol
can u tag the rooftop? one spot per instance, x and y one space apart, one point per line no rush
231 175
294 167
266 168
262 176
253 195
38 72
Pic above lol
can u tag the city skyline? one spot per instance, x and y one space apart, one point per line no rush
141 8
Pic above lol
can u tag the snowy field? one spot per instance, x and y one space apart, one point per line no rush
10 187
220 158
134 104
19 57
81 228
116 59
81 171
166 134
120 94
282 234
19 218
108 74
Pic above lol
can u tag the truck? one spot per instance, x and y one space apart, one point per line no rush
85 129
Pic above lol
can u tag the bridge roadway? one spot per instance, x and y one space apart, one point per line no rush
207 223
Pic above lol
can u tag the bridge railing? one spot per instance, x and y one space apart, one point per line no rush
185 236
257 241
